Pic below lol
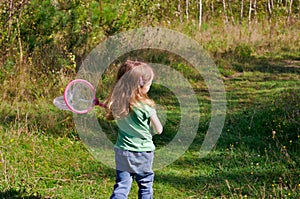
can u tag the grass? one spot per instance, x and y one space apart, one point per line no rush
49 167
257 155
42 157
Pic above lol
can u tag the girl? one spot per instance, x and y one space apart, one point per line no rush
135 115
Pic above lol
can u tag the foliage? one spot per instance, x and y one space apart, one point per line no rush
44 42
56 35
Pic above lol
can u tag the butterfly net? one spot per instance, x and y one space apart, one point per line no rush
79 96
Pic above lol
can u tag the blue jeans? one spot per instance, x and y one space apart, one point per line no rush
123 185
133 165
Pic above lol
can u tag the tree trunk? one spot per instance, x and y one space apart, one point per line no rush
10 17
250 11
290 11
212 7
187 9
286 4
179 11
231 14
255 11
200 14
242 11
272 4
224 9
269 10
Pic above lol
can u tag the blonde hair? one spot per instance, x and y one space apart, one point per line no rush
131 77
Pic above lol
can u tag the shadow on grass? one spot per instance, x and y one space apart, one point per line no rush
231 63
249 158
231 183
14 194
270 66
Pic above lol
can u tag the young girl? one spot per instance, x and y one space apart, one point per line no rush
135 115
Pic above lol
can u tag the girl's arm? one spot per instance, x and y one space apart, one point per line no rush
156 123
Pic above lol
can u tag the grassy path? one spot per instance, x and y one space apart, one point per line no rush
257 155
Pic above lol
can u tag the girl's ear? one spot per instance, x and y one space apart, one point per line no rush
141 81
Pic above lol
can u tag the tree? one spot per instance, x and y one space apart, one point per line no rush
200 14
250 11
224 10
230 10
290 10
270 6
179 11
212 7
242 11
255 10
187 9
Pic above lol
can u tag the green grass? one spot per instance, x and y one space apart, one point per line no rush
41 155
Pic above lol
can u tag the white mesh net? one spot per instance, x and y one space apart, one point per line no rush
79 96
60 103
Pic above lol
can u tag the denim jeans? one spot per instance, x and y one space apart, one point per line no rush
133 165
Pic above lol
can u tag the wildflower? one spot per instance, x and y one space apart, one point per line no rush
273 134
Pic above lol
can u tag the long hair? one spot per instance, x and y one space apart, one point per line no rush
131 77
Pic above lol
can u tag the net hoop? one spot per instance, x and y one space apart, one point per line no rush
87 84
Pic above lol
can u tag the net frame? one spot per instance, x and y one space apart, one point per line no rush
66 92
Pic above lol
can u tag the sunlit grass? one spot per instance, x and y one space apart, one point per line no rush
257 155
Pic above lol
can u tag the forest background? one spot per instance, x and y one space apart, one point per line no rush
255 45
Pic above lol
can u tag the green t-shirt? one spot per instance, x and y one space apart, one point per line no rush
134 130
